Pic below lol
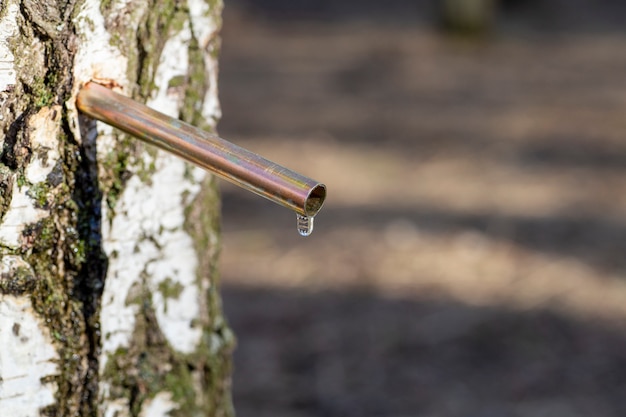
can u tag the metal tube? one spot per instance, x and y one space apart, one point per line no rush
233 163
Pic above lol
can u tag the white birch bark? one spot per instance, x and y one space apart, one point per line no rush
108 303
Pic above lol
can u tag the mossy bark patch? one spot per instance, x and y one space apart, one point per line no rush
59 263
52 251
198 381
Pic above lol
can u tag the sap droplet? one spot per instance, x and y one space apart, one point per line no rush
304 224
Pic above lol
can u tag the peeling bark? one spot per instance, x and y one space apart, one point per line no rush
108 300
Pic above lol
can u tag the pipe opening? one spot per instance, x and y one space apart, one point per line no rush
315 200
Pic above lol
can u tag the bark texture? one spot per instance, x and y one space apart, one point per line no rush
108 300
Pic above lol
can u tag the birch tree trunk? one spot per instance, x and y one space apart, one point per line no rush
108 301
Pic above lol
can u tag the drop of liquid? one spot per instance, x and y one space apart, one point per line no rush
304 224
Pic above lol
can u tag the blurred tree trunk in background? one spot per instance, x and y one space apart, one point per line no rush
108 301
468 16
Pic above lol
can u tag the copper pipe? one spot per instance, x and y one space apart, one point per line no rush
231 162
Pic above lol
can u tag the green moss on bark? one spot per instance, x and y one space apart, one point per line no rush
164 19
64 266
197 85
61 284
6 188
215 352
149 365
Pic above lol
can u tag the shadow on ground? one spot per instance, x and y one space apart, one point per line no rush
359 354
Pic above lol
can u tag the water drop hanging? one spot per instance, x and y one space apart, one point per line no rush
304 224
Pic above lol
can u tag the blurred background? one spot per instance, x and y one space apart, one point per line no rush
471 257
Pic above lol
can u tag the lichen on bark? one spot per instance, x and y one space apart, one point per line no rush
196 378
50 241
56 258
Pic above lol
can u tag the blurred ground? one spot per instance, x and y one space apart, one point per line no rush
471 257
